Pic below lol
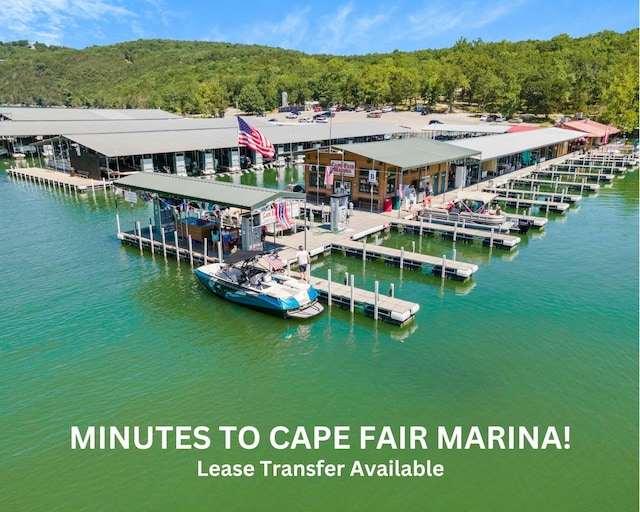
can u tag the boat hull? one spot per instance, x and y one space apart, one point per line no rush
476 218
285 300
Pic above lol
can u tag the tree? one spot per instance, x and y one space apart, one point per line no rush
250 99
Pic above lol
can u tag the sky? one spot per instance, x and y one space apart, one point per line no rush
355 27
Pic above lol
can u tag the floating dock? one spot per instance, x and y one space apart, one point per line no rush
489 238
558 175
569 185
373 304
458 270
533 194
58 179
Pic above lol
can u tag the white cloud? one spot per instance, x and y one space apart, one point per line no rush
52 21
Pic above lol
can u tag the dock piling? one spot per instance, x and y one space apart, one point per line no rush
375 300
139 234
351 294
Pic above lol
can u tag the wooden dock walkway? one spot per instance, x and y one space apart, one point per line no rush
373 304
400 258
569 185
489 238
524 193
58 179
553 172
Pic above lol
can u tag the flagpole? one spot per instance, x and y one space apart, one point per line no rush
238 139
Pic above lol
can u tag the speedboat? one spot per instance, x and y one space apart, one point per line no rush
256 279
471 209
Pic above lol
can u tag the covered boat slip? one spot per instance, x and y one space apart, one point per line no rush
210 191
224 212
249 199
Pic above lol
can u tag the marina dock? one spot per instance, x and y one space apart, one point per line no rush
568 185
489 238
373 304
558 175
533 194
76 183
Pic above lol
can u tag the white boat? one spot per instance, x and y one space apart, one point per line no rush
256 280
472 209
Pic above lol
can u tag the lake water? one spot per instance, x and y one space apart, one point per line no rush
95 333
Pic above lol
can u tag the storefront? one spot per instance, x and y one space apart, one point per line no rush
376 173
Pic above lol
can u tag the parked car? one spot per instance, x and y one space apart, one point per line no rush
488 117
320 119
375 113
435 121
261 114
425 112
500 119
305 120
387 109
293 114
515 120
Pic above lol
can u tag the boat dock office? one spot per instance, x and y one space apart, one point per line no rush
381 175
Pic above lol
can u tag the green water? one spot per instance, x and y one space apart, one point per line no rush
94 333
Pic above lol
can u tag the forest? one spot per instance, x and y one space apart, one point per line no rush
596 75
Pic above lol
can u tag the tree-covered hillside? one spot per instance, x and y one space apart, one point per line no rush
596 75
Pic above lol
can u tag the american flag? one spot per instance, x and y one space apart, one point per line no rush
252 138
280 210
272 262
328 177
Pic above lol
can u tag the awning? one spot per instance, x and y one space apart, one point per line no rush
215 192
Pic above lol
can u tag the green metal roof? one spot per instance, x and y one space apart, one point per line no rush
409 153
215 192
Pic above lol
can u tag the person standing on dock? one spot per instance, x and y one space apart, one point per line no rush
303 263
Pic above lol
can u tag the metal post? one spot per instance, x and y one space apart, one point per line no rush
391 290
175 239
139 235
164 242
352 289
190 250
151 238
401 258
444 263
329 287
375 301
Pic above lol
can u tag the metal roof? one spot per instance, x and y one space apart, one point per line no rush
409 153
215 192
493 147
38 114
183 138
466 128
115 136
